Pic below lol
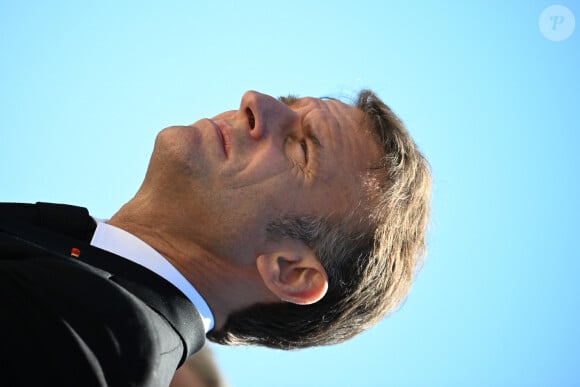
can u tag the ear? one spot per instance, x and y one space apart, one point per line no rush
293 272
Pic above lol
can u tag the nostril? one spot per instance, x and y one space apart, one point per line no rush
251 119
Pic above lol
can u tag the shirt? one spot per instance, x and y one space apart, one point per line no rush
128 246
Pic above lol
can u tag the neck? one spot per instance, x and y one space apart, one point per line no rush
226 286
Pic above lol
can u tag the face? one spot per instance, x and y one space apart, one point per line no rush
227 177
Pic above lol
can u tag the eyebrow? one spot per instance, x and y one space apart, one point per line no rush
314 140
288 100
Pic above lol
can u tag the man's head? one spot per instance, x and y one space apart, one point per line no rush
323 204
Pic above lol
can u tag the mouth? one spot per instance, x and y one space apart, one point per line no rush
222 136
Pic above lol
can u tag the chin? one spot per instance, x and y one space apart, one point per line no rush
178 152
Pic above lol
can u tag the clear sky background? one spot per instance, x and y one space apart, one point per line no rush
493 103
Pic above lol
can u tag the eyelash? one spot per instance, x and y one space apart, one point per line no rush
304 146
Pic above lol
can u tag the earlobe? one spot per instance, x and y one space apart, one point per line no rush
293 275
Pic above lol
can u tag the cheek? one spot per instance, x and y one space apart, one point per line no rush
265 170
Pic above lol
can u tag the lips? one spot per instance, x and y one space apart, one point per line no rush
224 140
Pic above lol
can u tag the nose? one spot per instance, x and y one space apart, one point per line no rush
265 115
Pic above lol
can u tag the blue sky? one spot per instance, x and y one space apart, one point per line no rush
493 103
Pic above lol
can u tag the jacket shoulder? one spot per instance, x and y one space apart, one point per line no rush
80 326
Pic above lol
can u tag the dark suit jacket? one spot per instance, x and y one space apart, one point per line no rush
92 320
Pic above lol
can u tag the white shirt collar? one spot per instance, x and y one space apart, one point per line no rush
126 245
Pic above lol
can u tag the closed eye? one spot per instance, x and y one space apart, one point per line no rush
311 147
304 146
